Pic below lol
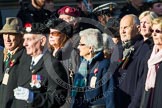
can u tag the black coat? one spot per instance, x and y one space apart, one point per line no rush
129 79
53 90
156 99
129 9
117 52
6 91
70 58
29 14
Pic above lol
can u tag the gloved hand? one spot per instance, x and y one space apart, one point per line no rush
21 93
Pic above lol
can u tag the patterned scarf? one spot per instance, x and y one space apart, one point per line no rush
128 47
81 76
155 58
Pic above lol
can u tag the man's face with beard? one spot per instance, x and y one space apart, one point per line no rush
39 3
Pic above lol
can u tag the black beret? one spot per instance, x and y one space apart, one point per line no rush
36 28
61 26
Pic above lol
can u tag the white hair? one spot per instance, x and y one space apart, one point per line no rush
93 37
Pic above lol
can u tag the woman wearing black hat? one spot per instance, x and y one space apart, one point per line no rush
62 48
56 41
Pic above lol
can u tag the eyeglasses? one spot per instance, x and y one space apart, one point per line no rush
54 37
156 31
55 33
80 44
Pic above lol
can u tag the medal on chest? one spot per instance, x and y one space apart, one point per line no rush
36 81
94 79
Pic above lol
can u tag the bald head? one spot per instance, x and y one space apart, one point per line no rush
129 27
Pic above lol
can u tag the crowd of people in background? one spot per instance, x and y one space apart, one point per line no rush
82 56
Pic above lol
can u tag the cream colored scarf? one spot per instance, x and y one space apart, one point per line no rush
156 57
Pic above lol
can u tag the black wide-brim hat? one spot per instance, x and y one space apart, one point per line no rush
60 25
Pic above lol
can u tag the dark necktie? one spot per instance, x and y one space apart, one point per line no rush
31 65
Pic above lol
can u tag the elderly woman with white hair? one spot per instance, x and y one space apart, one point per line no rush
93 85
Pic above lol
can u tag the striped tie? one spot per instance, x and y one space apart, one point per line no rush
7 60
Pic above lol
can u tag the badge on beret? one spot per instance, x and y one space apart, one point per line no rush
67 10
36 81
28 27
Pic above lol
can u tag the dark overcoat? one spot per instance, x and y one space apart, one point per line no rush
70 58
117 52
157 97
30 14
130 9
130 77
152 98
53 90
6 91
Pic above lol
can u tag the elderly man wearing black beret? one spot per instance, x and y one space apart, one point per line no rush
42 79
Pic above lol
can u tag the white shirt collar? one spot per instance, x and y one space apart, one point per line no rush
36 59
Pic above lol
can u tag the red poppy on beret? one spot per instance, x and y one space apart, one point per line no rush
35 28
69 11
28 27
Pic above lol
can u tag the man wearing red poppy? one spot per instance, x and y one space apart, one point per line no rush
38 83
10 57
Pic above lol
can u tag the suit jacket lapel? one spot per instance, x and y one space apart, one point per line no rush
38 66
16 58
24 72
40 63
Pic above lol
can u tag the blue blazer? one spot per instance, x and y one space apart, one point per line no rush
103 92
